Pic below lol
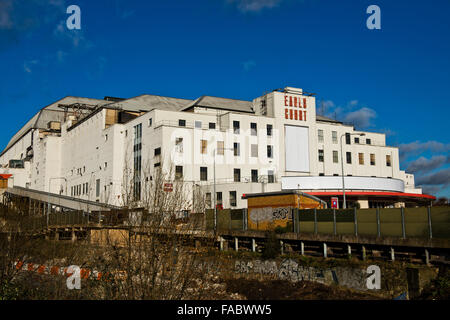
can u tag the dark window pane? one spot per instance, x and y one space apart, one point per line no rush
254 175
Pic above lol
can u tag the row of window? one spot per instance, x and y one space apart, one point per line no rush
334 138
83 189
349 158
236 174
219 199
236 126
220 149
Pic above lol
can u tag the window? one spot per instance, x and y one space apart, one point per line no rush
220 147
212 125
270 176
335 156
321 174
150 122
388 160
368 141
334 136
106 137
236 149
219 198
97 188
335 175
203 146
157 151
208 199
372 159
178 172
349 157
254 150
237 175
254 175
320 135
198 124
269 130
356 140
156 165
269 151
320 155
106 165
126 133
232 198
253 129
203 173
347 138
236 127
179 145
361 158
181 123
137 157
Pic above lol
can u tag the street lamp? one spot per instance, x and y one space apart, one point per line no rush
215 204
342 165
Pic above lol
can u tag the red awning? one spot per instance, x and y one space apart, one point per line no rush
5 176
376 194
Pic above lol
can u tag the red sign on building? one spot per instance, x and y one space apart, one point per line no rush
334 203
295 108
168 187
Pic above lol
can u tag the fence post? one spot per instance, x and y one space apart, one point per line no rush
429 222
294 221
334 222
378 223
244 219
297 217
315 221
356 221
403 223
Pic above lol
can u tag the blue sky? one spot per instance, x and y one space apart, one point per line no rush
394 80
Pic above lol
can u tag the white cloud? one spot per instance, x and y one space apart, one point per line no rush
425 165
441 177
74 37
417 147
254 5
27 65
361 118
61 56
250 64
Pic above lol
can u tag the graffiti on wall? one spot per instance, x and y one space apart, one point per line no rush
269 214
291 270
286 270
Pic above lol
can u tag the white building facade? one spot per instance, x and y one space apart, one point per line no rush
94 149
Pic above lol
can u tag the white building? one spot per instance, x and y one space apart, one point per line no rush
92 149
